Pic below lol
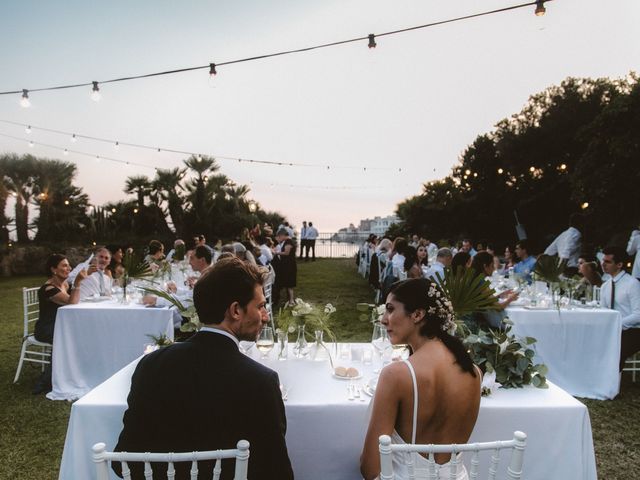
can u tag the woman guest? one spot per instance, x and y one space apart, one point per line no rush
411 265
423 256
590 270
155 257
115 268
54 293
434 396
461 260
284 263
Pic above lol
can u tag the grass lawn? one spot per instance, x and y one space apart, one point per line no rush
32 428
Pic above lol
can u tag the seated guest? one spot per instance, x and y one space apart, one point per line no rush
115 269
527 263
439 379
178 251
622 293
461 260
467 246
444 259
411 263
496 260
200 260
589 268
54 293
98 282
423 256
156 254
509 259
203 394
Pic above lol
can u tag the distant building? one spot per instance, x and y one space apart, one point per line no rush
377 225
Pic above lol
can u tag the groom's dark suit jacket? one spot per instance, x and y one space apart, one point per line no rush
203 394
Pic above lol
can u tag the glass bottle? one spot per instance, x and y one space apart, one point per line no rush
301 348
320 351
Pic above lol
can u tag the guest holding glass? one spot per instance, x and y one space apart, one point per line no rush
434 396
55 292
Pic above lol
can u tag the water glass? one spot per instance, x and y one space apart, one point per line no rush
265 341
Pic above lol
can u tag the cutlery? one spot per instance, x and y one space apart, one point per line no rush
350 392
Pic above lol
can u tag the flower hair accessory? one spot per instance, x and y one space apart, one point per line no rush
443 309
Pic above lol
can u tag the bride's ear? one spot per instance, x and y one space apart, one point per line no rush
418 315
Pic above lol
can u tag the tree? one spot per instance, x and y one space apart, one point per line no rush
168 185
20 180
140 186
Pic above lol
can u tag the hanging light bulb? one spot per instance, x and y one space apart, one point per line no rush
73 138
31 144
28 129
66 152
540 10
116 147
95 92
585 205
199 158
24 101
500 171
563 166
372 41
212 70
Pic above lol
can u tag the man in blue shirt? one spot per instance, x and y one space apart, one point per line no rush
527 263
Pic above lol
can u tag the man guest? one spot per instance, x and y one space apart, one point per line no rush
203 394
622 293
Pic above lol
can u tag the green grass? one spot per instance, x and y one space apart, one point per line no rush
32 428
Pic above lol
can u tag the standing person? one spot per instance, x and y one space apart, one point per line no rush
567 245
622 293
432 249
284 263
222 395
303 240
633 248
55 293
312 235
434 396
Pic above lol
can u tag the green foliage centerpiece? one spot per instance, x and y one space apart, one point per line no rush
135 267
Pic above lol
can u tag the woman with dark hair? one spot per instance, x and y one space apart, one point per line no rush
54 293
115 268
509 259
423 256
590 270
434 396
460 260
411 265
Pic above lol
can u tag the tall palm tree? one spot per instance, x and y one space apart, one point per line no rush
169 187
138 185
20 174
200 193
4 195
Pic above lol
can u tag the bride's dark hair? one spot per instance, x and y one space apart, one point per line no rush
421 293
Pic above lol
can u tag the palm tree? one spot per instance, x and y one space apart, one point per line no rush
20 173
202 191
140 185
168 186
4 195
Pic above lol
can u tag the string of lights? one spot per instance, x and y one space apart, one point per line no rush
117 144
370 38
99 158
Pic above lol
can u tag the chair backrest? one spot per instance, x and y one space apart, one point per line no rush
514 470
102 458
31 308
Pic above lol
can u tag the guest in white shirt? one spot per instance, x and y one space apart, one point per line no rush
633 248
312 235
468 248
443 260
567 245
266 252
622 293
432 248
98 281
303 240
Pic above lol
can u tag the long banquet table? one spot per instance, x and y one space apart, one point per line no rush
581 347
326 430
92 341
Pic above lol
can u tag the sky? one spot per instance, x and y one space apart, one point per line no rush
386 120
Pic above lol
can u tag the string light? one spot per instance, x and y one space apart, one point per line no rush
31 144
532 169
563 167
28 129
116 147
212 70
65 152
585 205
135 210
113 210
95 92
500 171
24 101
73 138
371 37
66 202
467 172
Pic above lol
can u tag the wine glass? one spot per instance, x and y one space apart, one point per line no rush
380 339
265 341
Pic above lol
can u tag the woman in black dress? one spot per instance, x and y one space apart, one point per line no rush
54 293
285 267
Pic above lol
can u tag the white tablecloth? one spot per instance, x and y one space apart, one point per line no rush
326 431
581 347
92 341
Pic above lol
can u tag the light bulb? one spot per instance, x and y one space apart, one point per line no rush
24 101
116 147
500 171
540 10
372 41
28 129
31 144
95 92
73 138
66 152
212 70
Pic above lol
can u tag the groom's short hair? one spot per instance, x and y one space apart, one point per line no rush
229 280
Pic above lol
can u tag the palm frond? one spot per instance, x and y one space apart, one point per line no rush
550 268
135 266
468 292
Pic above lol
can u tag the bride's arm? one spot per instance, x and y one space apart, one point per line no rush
383 419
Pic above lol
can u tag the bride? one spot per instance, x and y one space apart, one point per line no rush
433 397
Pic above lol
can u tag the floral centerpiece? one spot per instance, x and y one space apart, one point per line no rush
302 316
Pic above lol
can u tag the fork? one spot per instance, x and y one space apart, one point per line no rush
350 391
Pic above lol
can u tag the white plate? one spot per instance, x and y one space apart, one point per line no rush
538 307
358 377
97 299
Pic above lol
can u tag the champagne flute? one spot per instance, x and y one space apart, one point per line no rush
265 341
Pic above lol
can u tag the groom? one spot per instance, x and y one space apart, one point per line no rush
203 394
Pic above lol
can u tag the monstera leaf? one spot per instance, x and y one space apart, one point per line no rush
467 291
549 268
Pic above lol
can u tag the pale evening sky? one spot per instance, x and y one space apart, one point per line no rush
413 103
